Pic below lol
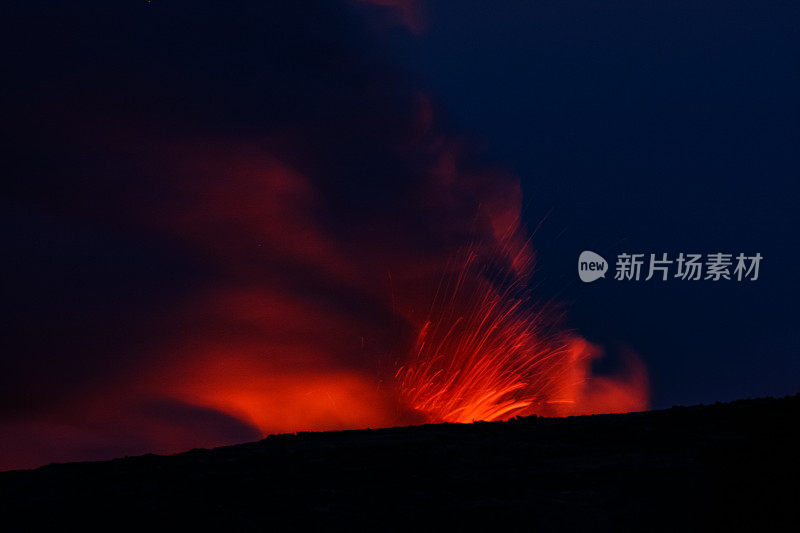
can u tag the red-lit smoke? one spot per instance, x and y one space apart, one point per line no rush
350 264
278 352
419 311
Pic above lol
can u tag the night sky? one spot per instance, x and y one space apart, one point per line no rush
172 166
645 127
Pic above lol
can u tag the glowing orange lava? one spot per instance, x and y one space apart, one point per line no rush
485 355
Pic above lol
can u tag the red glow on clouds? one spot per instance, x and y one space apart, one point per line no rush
305 326
290 359
282 400
314 314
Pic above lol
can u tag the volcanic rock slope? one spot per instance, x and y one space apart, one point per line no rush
716 467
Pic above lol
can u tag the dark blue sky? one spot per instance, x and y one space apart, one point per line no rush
645 127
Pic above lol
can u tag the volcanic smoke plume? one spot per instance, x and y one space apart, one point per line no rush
298 255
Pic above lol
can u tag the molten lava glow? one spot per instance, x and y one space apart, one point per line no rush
279 400
484 354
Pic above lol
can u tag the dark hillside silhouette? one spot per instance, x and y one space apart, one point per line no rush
710 467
